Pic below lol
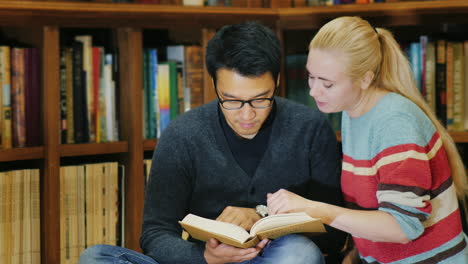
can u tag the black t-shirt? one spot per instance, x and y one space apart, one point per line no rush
248 152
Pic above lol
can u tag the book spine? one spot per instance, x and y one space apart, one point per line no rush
18 97
458 92
194 74
69 95
441 90
449 85
81 134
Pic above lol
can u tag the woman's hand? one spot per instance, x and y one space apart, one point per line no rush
284 201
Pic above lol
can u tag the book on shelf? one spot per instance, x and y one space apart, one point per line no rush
270 227
20 216
458 87
90 207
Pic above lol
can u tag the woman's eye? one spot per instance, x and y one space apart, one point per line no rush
328 85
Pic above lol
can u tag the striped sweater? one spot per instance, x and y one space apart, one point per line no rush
394 161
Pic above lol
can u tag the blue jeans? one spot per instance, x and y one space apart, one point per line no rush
290 249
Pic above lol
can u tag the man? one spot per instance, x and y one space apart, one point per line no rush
220 160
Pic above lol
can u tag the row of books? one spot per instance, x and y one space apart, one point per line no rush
233 3
170 88
20 96
297 87
20 216
254 3
91 208
440 68
88 93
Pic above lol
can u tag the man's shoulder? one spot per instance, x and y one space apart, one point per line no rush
194 121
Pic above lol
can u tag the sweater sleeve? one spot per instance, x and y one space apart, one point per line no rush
167 200
404 168
325 169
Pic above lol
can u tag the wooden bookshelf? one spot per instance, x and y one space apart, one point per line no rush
21 154
76 150
45 19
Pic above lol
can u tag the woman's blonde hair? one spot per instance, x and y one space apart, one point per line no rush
375 49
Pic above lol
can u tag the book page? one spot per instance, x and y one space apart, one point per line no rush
226 229
279 220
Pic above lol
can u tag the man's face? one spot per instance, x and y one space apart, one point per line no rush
246 121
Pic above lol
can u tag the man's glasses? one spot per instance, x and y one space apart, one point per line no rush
258 103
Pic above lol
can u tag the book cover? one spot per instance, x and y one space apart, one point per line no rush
429 74
449 85
33 97
163 96
458 87
194 74
441 90
80 106
6 96
63 98
270 227
87 66
68 53
18 97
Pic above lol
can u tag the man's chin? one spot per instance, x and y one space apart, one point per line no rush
249 134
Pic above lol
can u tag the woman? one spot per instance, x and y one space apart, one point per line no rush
401 173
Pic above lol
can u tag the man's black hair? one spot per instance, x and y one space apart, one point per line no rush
250 49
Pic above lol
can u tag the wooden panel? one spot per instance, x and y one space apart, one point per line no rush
21 154
77 14
149 144
397 13
50 182
459 137
131 59
72 150
209 93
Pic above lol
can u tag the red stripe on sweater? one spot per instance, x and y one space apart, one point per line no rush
433 237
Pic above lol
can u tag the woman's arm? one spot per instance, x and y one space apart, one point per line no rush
373 225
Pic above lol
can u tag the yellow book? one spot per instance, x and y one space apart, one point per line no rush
270 227
27 250
89 201
80 201
6 97
35 217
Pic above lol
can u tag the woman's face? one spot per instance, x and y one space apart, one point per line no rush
330 86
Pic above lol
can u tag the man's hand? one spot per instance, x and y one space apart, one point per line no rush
243 217
218 253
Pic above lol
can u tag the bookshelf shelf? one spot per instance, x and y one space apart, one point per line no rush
389 14
459 137
149 144
21 154
40 24
71 150
76 14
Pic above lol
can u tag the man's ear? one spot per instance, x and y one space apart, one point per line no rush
367 80
278 80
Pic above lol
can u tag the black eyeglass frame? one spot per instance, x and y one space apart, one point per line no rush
221 102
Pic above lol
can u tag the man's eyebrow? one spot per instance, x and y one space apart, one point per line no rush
258 95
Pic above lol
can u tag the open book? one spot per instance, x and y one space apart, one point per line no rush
270 227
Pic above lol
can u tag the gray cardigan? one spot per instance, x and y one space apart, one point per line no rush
195 172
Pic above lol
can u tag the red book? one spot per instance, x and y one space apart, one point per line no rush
96 75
